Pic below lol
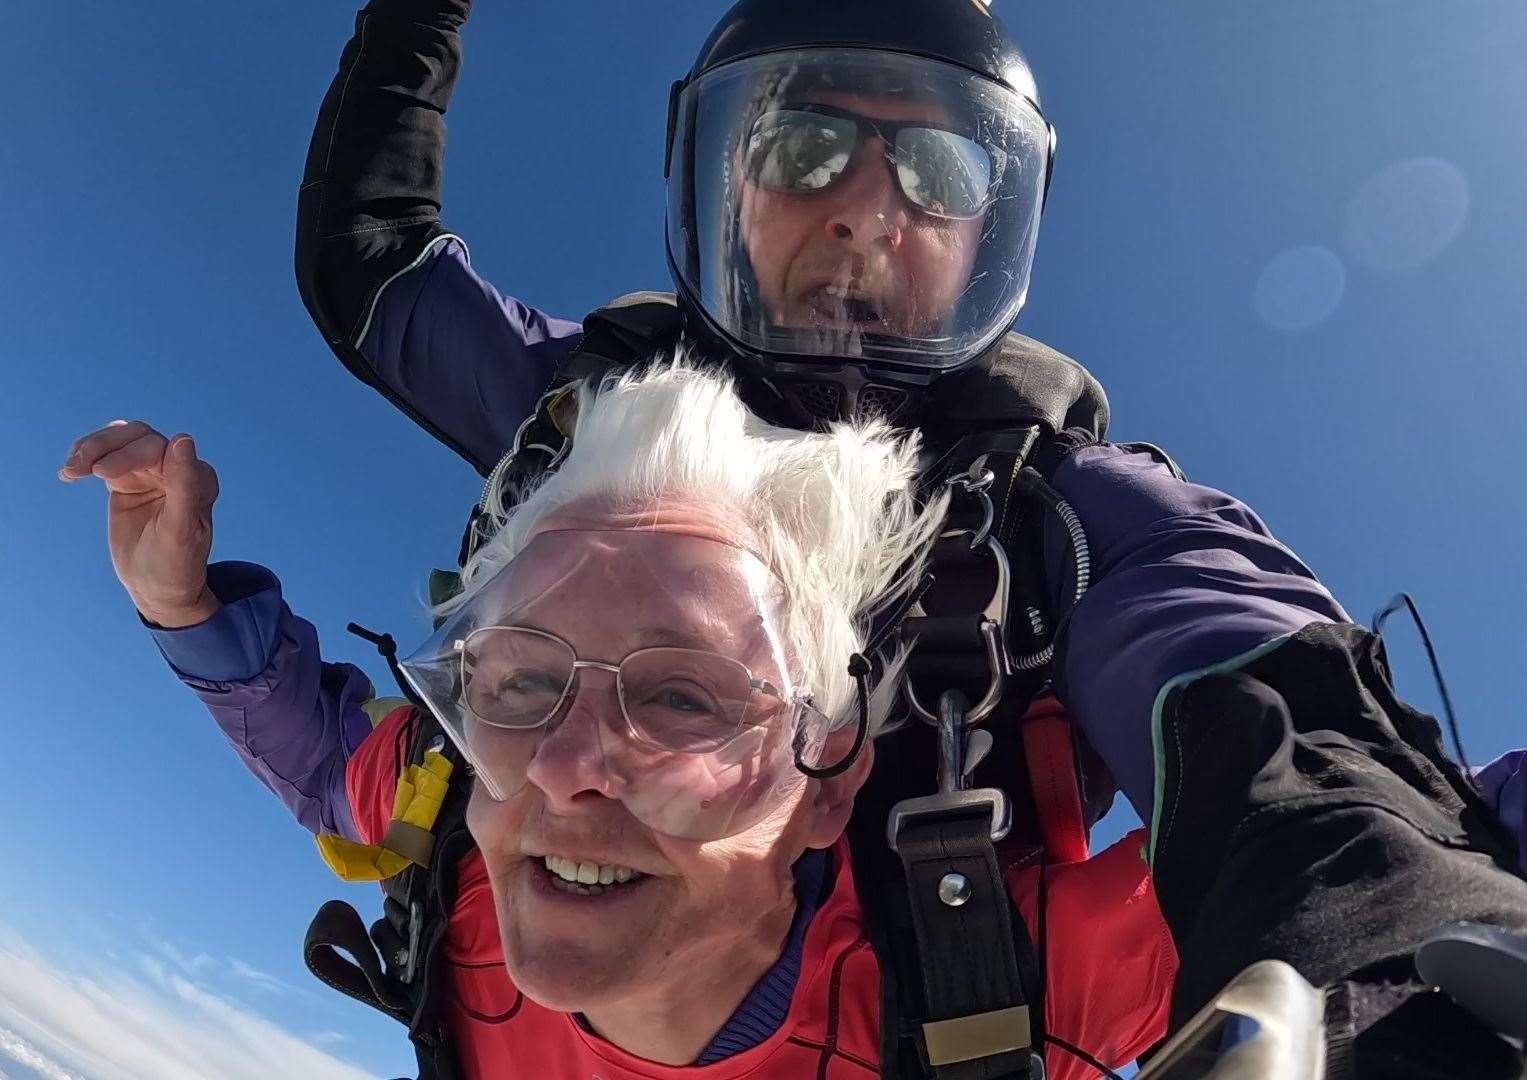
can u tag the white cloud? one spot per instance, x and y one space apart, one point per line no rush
144 1020
259 978
20 1051
191 964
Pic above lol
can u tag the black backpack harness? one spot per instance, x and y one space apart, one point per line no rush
962 983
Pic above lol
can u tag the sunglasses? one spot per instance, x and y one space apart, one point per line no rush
807 148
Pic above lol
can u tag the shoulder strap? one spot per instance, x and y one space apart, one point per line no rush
961 991
1020 382
628 331
397 965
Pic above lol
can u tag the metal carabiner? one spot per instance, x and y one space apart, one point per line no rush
992 636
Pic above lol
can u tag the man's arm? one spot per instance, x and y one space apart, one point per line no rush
1184 577
1187 578
1299 809
389 286
293 720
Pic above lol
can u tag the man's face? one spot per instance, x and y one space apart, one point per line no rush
609 591
857 255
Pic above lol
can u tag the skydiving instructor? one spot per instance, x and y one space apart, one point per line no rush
854 196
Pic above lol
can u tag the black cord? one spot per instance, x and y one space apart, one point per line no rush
1079 1053
1403 600
859 668
1042 942
389 649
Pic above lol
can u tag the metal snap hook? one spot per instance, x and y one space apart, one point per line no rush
975 481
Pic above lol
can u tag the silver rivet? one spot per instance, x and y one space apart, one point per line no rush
954 889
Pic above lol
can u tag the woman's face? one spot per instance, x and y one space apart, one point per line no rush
857 255
585 800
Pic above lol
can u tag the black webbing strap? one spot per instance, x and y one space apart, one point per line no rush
629 331
338 926
982 1022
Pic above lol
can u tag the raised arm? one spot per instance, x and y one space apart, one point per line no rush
293 720
390 287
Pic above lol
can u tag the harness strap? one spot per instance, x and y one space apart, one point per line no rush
337 926
1049 748
396 967
421 790
979 1022
629 330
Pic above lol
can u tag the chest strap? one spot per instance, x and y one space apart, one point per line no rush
962 990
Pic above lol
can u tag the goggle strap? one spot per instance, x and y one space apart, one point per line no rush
860 666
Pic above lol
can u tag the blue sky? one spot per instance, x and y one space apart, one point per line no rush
1287 238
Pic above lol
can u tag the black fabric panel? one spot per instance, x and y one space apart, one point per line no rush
1309 815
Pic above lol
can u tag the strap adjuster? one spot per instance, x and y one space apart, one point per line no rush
965 1038
951 803
415 938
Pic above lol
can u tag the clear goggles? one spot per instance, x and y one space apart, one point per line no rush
697 742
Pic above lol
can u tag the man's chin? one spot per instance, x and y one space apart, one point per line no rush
571 977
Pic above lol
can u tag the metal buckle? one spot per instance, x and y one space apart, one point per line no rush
545 410
976 481
415 927
910 810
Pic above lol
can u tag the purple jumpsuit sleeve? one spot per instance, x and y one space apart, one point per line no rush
1503 783
1184 578
458 355
293 720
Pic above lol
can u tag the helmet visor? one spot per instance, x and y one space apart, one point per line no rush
642 666
850 203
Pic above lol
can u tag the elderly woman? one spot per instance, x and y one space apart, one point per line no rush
648 671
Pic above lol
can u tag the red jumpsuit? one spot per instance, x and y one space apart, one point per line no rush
1110 970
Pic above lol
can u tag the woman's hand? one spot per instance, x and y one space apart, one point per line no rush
159 517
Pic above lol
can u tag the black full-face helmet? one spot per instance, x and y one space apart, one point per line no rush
854 194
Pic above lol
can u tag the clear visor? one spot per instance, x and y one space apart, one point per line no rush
850 203
642 666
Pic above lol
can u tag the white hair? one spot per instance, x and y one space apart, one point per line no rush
833 514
